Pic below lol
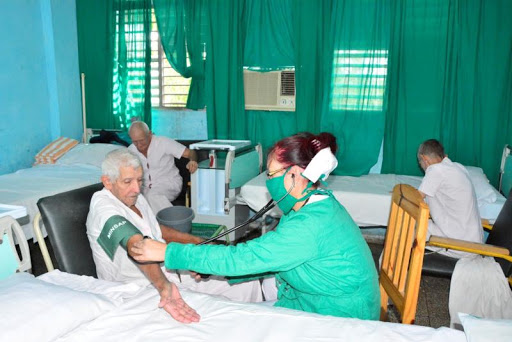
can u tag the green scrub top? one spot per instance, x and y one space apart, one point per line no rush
321 261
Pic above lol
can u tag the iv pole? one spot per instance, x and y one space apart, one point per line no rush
84 123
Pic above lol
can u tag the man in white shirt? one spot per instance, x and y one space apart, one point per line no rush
449 193
118 216
162 180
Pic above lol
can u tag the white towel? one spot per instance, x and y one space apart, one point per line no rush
479 287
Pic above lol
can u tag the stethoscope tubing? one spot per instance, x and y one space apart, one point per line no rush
271 204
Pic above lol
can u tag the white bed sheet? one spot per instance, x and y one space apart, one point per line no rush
26 186
366 198
139 319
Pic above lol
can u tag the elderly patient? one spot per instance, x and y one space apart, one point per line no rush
162 180
120 216
448 191
317 253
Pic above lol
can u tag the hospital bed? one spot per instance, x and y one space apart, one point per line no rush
79 167
368 198
60 306
67 307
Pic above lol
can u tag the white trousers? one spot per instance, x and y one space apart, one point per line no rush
269 289
249 291
158 201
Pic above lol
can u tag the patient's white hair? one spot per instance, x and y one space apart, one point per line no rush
116 159
139 125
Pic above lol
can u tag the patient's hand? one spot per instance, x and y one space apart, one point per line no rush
148 250
171 301
192 166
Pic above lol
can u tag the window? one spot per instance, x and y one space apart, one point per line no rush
168 87
359 79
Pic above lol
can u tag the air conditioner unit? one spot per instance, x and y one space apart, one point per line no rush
273 90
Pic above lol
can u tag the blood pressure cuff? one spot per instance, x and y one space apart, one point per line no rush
116 231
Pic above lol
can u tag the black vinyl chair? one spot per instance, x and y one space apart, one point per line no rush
498 245
64 216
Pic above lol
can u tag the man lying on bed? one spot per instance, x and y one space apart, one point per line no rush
119 216
448 191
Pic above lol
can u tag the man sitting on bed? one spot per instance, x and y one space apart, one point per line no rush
449 193
162 180
119 216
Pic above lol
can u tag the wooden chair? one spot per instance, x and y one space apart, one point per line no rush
402 256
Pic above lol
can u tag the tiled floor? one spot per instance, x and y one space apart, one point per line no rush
432 303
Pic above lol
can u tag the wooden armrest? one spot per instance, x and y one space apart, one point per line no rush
486 224
471 247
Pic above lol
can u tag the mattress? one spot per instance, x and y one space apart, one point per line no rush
367 198
79 167
135 316
26 186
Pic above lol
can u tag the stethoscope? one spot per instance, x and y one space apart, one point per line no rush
271 204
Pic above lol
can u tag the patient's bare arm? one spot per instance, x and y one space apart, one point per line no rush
170 297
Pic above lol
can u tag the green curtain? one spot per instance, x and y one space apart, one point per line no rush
449 79
95 51
307 35
115 55
267 128
311 23
131 62
481 123
182 27
448 74
268 47
354 113
417 71
269 39
224 72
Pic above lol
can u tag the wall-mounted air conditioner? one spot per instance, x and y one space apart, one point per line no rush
273 90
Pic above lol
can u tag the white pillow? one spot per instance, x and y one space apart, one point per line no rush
92 154
481 330
33 310
483 190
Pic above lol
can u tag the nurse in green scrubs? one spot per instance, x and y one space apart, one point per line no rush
319 258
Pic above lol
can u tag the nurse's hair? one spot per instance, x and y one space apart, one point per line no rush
300 148
116 159
431 148
139 125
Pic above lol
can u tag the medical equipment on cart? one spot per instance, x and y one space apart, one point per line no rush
217 182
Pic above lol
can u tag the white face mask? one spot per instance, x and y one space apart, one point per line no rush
322 164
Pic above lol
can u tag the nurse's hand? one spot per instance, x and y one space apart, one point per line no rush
171 301
148 250
199 276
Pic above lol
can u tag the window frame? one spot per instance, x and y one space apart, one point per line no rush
161 76
343 88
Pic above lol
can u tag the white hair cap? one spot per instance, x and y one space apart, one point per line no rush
322 164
